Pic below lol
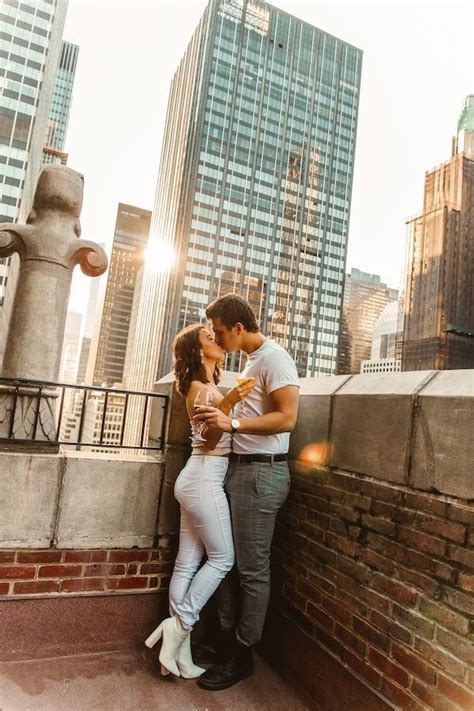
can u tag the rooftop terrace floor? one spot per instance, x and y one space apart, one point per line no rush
130 681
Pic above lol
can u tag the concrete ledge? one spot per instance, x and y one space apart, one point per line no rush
107 503
443 446
372 422
29 490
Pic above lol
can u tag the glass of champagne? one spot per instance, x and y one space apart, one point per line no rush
242 379
200 401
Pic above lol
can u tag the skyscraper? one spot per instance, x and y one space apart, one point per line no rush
365 297
107 359
90 319
61 105
439 308
386 341
29 52
70 352
254 186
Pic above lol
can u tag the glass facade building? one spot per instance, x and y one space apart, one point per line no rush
61 105
438 328
255 182
30 45
107 358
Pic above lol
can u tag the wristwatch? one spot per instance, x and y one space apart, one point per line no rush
235 424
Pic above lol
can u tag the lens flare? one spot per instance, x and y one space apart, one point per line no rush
316 454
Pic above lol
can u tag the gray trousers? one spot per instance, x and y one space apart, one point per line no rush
256 491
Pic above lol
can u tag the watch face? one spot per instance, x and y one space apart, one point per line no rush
235 424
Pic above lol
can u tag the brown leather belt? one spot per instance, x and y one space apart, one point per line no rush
249 458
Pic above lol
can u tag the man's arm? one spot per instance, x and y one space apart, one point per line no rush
282 418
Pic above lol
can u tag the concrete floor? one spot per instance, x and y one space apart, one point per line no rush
130 681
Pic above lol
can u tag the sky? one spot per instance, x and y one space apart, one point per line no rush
418 66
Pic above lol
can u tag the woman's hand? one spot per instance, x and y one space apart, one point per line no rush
239 392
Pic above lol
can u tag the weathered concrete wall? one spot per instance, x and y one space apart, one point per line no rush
76 500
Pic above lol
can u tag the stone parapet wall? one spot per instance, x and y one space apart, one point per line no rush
373 555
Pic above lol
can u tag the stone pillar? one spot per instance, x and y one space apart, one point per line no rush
49 247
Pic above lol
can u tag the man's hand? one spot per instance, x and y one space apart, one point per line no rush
213 418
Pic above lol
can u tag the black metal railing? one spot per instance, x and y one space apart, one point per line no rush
80 416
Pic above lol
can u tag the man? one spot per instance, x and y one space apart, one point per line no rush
257 482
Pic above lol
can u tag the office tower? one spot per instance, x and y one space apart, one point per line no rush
130 239
439 309
70 352
365 297
30 46
385 354
61 105
254 185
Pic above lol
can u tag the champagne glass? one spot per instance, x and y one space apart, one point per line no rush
199 401
242 379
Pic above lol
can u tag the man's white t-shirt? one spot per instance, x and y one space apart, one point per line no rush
273 368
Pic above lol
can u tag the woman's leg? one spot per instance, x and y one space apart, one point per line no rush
190 553
210 518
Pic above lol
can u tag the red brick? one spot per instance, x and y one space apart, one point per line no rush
377 561
294 598
352 603
321 582
391 628
60 571
4 588
445 616
346 513
413 621
82 584
384 492
341 544
444 572
463 514
383 508
373 599
425 502
414 664
322 553
386 547
427 694
307 589
459 646
389 669
462 602
135 583
388 528
461 555
77 556
358 502
153 568
132 569
454 692
163 554
441 658
400 697
422 541
98 556
447 529
153 582
395 590
17 572
317 615
36 587
164 582
129 556
466 582
96 570
7 556
338 612
356 643
355 569
46 556
371 634
360 667
337 526
422 582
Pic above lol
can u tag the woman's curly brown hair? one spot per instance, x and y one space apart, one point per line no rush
187 359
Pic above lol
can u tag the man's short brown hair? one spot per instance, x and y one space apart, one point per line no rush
232 309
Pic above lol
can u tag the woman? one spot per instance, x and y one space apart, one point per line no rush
205 517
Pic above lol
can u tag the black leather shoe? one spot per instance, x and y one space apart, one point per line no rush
221 676
214 651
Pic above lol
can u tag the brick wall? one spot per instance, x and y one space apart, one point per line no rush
56 572
383 577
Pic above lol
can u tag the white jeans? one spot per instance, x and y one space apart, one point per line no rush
205 528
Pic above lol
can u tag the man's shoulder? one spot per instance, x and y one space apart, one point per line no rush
275 349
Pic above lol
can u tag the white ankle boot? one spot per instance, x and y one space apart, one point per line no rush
186 666
173 637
